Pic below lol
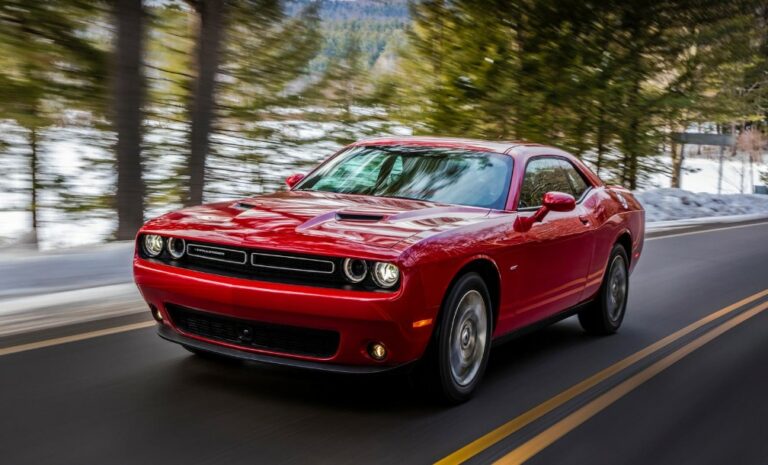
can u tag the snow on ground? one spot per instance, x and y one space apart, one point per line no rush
700 175
13 225
674 204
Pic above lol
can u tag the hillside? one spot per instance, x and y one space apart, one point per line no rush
376 24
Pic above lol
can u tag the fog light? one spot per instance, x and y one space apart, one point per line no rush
377 351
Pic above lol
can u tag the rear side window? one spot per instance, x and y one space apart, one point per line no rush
547 174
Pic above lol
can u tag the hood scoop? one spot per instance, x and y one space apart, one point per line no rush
352 216
244 205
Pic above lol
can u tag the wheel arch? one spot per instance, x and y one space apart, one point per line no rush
625 240
489 272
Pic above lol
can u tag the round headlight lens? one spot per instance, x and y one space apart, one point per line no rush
153 245
355 269
385 274
176 247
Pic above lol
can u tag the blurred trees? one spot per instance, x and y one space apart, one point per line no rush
265 58
219 64
49 68
215 98
605 80
245 55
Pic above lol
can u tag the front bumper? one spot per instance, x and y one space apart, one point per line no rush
359 317
165 332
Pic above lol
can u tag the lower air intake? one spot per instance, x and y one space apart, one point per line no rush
254 334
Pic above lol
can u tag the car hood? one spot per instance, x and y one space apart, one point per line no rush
315 222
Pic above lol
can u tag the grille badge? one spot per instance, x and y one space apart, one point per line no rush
219 254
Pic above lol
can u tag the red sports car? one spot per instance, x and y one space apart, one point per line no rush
396 251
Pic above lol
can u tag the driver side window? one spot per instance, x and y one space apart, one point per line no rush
548 174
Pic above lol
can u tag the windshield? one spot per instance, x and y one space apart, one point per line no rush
455 176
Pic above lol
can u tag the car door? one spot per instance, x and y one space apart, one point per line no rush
554 257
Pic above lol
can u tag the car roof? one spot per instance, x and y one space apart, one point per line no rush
518 148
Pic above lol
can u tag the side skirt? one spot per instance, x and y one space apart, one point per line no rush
533 327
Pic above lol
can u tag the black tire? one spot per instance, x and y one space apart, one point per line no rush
604 315
471 334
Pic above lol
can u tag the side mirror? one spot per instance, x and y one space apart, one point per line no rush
293 179
552 201
558 202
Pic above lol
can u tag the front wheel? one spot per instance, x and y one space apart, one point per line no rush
605 314
463 340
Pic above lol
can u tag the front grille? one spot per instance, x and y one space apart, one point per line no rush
255 334
267 265
271 261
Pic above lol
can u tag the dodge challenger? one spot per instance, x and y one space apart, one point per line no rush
396 252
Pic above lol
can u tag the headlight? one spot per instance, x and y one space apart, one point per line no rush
385 274
355 269
176 247
153 245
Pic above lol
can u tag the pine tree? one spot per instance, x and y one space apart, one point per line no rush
264 65
47 66
260 53
211 19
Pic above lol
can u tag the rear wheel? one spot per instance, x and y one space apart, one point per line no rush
460 351
605 314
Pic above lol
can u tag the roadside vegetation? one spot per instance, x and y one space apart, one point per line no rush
177 102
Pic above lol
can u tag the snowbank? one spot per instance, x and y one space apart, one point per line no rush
675 204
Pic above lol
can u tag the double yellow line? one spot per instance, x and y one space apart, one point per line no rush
573 420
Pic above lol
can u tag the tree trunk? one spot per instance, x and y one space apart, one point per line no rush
600 140
33 171
128 99
209 38
629 170
677 164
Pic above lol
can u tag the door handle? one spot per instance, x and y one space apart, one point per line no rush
584 220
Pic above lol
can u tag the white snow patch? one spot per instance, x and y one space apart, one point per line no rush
701 175
675 204
13 225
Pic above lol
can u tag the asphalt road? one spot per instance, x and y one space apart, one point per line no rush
699 397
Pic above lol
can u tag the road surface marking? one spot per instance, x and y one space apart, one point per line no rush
575 419
704 231
505 430
74 337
